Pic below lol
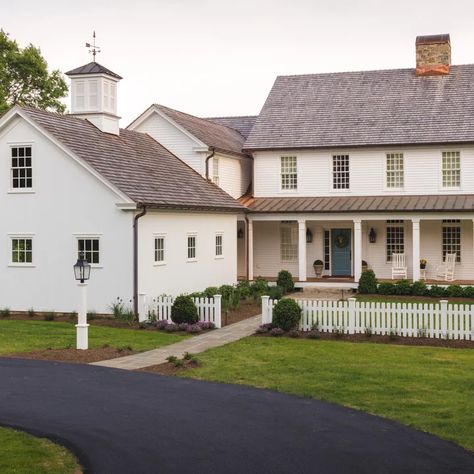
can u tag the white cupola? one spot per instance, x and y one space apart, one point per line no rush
94 96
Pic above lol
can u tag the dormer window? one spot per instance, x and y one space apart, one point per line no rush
21 168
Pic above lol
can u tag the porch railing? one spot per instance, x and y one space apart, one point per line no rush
436 320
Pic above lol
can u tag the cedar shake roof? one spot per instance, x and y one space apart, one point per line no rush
92 68
367 108
136 164
243 124
218 136
451 202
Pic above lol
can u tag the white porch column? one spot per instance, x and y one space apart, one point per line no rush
357 249
250 249
302 250
416 248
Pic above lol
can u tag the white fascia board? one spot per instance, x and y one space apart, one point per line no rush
126 206
93 76
18 112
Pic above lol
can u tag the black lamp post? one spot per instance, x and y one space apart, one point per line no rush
82 273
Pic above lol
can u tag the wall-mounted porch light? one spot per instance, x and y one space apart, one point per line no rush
309 236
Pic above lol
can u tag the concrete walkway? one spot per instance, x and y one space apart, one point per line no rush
193 345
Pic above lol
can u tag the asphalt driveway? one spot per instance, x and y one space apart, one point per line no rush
129 422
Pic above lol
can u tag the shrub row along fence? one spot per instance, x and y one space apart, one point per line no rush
209 309
437 320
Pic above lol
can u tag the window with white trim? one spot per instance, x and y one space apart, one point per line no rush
288 242
340 171
91 248
451 169
215 170
395 170
192 241
159 249
21 168
219 246
80 94
289 173
93 94
21 250
395 238
451 237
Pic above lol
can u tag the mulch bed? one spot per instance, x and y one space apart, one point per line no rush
169 368
246 310
377 339
74 355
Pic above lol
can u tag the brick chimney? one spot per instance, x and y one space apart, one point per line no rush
433 55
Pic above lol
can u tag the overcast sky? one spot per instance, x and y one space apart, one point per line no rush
220 57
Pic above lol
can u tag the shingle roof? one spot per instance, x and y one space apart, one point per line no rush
136 164
391 107
213 134
92 68
421 203
243 124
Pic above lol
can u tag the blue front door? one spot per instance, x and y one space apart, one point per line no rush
341 252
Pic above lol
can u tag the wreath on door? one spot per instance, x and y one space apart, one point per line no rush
341 241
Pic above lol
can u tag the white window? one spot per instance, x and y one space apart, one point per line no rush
451 238
91 249
395 238
93 94
219 247
451 169
215 170
289 173
340 172
21 168
21 251
288 242
395 170
106 95
160 249
192 241
80 87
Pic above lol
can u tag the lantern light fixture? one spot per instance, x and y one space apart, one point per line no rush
372 236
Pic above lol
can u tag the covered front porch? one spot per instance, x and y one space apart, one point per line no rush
344 244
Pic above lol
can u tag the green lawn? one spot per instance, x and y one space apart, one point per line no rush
429 388
25 336
21 453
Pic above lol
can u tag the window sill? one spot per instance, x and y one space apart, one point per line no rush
191 260
219 257
22 265
159 264
21 191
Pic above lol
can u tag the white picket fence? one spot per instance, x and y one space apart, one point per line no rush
438 320
209 309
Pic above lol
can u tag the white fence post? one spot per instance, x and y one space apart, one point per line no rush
265 310
142 316
444 317
218 311
351 319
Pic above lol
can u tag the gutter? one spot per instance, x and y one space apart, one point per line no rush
208 157
135 260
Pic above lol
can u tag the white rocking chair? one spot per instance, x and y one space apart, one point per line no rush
446 270
399 266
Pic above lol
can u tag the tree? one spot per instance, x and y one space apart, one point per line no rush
25 80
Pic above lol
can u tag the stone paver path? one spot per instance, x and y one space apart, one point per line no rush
193 345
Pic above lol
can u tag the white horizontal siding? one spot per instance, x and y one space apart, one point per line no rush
234 174
367 172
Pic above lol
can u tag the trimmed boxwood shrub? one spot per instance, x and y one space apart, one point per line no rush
403 287
386 288
437 291
285 281
184 310
454 291
367 282
468 292
419 288
286 314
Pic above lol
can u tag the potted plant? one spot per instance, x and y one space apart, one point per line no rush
422 264
364 265
318 266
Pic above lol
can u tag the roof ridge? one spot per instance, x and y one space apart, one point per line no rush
230 116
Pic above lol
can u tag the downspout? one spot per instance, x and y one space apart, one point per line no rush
208 157
135 260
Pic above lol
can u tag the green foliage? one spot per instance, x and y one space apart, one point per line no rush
184 310
419 288
244 289
31 312
285 281
403 288
286 314
4 313
468 292
386 288
275 292
49 316
259 288
91 315
25 80
437 291
454 291
367 282
211 291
